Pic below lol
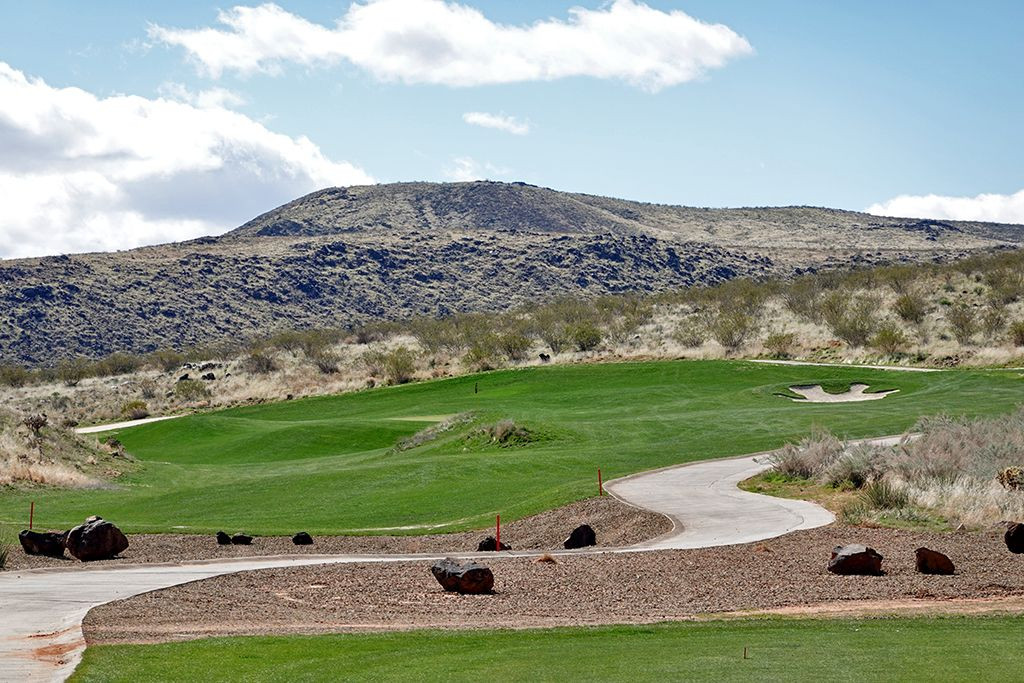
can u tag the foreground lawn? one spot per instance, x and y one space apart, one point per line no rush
929 649
327 465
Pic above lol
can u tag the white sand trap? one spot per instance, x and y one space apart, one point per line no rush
813 393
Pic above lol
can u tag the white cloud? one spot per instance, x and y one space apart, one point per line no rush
509 124
444 42
79 172
999 208
210 98
466 169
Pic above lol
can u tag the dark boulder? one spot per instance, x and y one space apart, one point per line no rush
48 543
855 559
933 562
96 539
223 538
470 578
581 537
302 538
489 544
241 539
1014 538
209 377
184 378
545 358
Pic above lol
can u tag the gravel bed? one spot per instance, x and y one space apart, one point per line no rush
615 523
577 590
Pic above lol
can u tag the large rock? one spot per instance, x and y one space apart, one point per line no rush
582 536
49 543
1014 538
96 539
223 538
463 578
302 538
855 559
933 562
490 544
241 539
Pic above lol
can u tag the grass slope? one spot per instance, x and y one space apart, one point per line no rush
933 649
323 464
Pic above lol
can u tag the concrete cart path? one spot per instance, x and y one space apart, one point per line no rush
42 610
96 429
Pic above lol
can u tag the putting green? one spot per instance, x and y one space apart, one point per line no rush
327 465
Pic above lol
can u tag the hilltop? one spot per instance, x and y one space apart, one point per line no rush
344 256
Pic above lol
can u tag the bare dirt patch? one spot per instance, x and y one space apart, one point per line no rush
616 523
787 572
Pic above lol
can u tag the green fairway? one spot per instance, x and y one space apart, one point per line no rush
326 464
928 649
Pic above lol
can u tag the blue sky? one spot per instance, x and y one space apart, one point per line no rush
906 108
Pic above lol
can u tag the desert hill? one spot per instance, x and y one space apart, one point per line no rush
343 256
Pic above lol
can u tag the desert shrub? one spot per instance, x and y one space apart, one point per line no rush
1017 332
259 363
740 295
327 362
513 344
889 339
135 410
993 320
1011 478
802 296
507 433
167 360
911 306
191 390
899 277
398 365
13 376
883 495
856 466
480 357
808 458
35 423
74 370
1006 284
148 389
731 327
780 344
118 364
585 336
851 317
689 334
963 322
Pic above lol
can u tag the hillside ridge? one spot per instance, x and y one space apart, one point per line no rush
340 257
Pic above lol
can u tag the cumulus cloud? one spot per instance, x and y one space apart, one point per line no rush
466 169
80 173
444 42
999 208
509 124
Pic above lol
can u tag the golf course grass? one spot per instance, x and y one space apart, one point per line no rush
895 649
327 464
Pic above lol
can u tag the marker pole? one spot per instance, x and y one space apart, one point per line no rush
31 514
497 533
600 485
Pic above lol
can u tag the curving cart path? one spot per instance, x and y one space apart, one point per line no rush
42 610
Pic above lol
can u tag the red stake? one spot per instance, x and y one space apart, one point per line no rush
31 514
497 533
600 486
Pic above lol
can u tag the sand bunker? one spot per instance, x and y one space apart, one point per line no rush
813 393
